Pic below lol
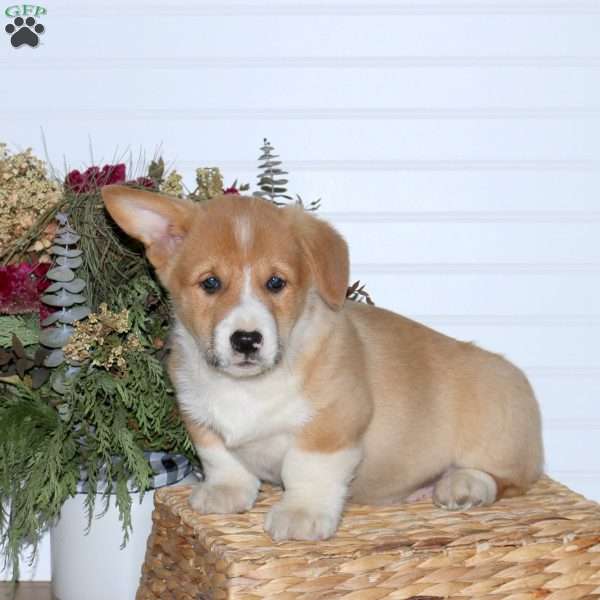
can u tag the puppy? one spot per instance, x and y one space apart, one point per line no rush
279 378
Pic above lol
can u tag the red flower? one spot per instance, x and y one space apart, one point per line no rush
146 182
231 190
94 177
74 181
111 174
21 286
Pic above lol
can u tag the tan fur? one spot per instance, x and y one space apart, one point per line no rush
416 403
201 435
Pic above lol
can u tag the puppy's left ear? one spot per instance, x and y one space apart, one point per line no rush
327 255
158 221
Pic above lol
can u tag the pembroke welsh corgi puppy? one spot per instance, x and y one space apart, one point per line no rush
280 378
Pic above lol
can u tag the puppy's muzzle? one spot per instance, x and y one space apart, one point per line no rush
246 342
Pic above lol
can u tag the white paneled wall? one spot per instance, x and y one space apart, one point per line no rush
455 144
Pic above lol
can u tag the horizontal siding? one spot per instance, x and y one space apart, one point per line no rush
473 243
513 8
402 85
481 293
493 144
218 36
579 456
293 63
584 482
304 114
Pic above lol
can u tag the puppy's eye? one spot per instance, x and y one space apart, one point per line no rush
211 284
275 284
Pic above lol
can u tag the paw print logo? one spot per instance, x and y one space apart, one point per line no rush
24 32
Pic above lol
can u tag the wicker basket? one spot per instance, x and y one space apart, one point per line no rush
542 545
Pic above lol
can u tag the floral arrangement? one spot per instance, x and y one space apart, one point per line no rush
83 339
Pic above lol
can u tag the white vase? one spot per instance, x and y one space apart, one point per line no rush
93 566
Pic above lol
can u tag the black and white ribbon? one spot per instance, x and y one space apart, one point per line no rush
167 469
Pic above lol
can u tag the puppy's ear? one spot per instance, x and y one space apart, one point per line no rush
326 252
159 222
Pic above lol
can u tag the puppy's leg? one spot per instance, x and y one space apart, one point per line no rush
316 485
498 450
318 468
461 489
229 487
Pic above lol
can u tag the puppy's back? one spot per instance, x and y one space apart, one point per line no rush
438 403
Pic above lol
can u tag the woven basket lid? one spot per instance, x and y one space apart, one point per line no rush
549 512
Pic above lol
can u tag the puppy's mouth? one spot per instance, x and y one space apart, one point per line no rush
242 366
247 363
247 367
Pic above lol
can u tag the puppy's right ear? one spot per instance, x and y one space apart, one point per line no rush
159 222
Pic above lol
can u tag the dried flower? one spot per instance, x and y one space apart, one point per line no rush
43 243
173 184
94 177
231 190
21 286
119 322
99 339
146 182
156 170
210 183
25 193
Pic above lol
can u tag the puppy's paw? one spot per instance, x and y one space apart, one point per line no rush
223 498
288 522
461 489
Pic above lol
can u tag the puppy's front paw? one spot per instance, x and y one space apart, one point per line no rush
223 498
288 522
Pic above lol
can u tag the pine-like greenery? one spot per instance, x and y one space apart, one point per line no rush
107 250
25 327
271 177
38 470
272 182
101 426
105 420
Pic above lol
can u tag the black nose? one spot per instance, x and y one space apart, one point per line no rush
245 342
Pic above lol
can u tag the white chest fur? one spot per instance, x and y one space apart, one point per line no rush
244 411
255 416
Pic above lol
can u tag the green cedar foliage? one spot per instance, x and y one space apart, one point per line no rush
101 425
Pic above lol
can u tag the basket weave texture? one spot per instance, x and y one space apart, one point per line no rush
545 544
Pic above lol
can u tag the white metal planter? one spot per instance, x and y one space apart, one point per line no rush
92 565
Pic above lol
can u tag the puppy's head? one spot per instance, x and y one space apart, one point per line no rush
239 270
